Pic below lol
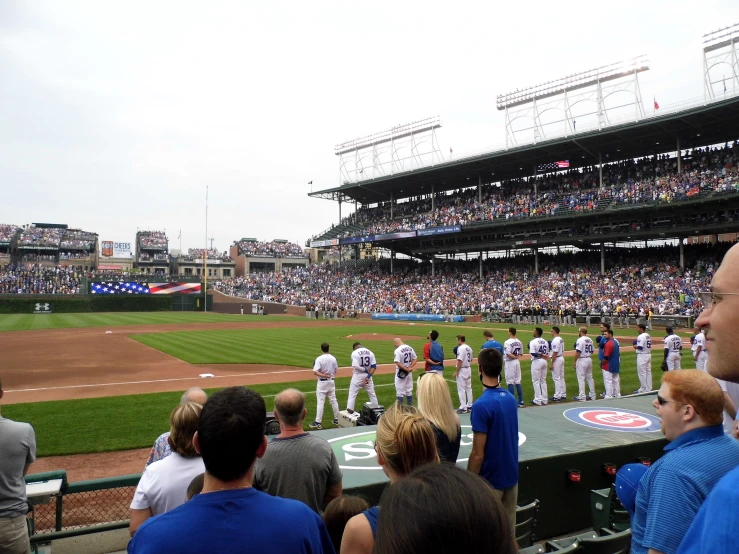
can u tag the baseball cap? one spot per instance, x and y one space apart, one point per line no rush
627 483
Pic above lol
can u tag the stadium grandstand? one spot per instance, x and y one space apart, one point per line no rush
48 244
152 252
252 255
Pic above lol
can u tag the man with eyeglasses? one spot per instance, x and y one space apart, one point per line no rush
715 526
690 404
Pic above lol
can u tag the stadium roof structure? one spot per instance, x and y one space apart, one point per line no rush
713 123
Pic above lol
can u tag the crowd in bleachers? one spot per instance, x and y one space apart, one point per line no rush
270 249
148 256
152 239
38 257
41 236
75 254
78 240
33 279
7 232
630 182
640 279
210 253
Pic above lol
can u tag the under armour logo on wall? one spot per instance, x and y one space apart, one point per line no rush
42 307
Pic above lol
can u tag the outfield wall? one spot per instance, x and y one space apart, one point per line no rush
224 304
68 303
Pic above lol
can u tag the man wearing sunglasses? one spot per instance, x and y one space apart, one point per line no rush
690 404
715 526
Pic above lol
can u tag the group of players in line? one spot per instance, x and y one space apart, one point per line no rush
546 356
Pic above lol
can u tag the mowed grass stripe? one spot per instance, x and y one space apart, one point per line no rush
126 422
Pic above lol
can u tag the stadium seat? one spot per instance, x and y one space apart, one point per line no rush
607 512
534 549
608 543
525 523
558 545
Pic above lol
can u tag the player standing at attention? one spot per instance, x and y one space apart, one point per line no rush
325 369
433 354
611 363
557 365
490 342
364 366
673 346
700 355
584 365
513 350
462 374
405 360
539 350
601 342
643 345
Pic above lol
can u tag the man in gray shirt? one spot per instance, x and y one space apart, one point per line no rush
18 452
298 465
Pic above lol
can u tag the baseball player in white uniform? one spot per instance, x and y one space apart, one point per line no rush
405 360
513 350
700 355
673 346
557 366
539 350
364 366
584 364
463 375
325 369
643 345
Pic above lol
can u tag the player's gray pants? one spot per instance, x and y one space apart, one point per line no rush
700 362
464 388
613 384
324 389
644 371
359 382
584 370
558 376
673 360
539 380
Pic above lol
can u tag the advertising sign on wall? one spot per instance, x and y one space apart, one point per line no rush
113 249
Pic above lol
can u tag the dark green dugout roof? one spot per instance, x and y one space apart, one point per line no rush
714 123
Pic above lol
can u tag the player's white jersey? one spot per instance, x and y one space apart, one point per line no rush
700 340
464 353
584 346
513 347
362 360
673 343
404 354
645 341
540 347
558 346
326 363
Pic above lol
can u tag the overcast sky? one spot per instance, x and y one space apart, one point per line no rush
116 116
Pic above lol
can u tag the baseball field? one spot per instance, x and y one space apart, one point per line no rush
107 382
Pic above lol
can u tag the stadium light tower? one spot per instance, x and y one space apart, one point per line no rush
721 48
524 108
401 148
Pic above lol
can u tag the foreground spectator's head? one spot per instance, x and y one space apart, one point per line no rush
405 440
688 399
442 508
230 433
196 395
435 402
183 423
338 513
490 363
290 408
196 486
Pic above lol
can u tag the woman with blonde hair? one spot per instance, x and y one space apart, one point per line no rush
404 441
163 486
435 404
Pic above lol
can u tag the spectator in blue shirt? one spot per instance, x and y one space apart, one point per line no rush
495 433
691 405
715 526
490 342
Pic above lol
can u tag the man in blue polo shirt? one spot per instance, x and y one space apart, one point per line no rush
490 342
691 405
715 527
495 433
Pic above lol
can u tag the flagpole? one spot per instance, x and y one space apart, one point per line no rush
205 254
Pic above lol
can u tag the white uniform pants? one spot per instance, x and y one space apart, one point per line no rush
584 370
673 361
606 378
539 379
404 386
613 384
700 361
512 372
324 389
644 371
464 388
558 376
358 383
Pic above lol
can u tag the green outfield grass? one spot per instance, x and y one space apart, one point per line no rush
126 422
25 322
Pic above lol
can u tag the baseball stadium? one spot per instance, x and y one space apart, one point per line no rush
597 219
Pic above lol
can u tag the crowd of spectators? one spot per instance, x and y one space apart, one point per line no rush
148 256
638 279
270 249
75 255
7 232
202 253
653 179
78 240
32 257
41 236
152 239
33 279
